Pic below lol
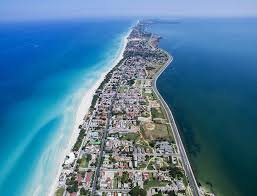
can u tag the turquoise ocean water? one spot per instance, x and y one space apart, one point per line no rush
212 89
46 67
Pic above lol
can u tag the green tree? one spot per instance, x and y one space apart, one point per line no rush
73 187
125 177
137 191
84 192
176 172
158 194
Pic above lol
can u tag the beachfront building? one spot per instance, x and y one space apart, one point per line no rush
126 141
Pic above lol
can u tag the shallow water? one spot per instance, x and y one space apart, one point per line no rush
46 67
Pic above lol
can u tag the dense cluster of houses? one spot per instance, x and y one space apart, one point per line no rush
113 156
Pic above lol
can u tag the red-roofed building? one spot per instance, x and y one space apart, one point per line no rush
88 178
145 175
79 179
73 194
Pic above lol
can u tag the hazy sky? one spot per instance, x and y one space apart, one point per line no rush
41 9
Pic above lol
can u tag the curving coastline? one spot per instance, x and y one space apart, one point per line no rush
128 111
185 160
84 107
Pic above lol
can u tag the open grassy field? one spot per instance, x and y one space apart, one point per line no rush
155 131
130 137
153 183
149 96
157 113
83 162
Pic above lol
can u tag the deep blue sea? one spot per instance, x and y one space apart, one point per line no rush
211 87
46 67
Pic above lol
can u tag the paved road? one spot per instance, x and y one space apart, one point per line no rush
134 170
97 171
185 161
115 190
163 154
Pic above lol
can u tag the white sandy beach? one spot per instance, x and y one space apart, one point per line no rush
83 109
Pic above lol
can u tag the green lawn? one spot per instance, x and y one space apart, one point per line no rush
130 136
154 183
150 167
83 162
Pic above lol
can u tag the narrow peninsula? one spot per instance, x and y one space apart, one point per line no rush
129 143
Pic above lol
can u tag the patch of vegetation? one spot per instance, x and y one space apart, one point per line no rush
59 192
170 132
143 144
153 183
131 82
115 183
94 100
83 162
159 132
157 113
152 143
73 187
148 68
84 192
141 166
112 159
150 166
125 177
158 194
130 137
142 130
106 79
176 172
138 83
149 95
123 89
79 140
82 173
137 191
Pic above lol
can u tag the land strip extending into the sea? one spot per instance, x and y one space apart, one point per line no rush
129 143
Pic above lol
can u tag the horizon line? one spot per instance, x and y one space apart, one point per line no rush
120 17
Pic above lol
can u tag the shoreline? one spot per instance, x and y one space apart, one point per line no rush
187 165
165 60
85 104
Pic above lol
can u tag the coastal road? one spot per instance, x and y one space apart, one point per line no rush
184 158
